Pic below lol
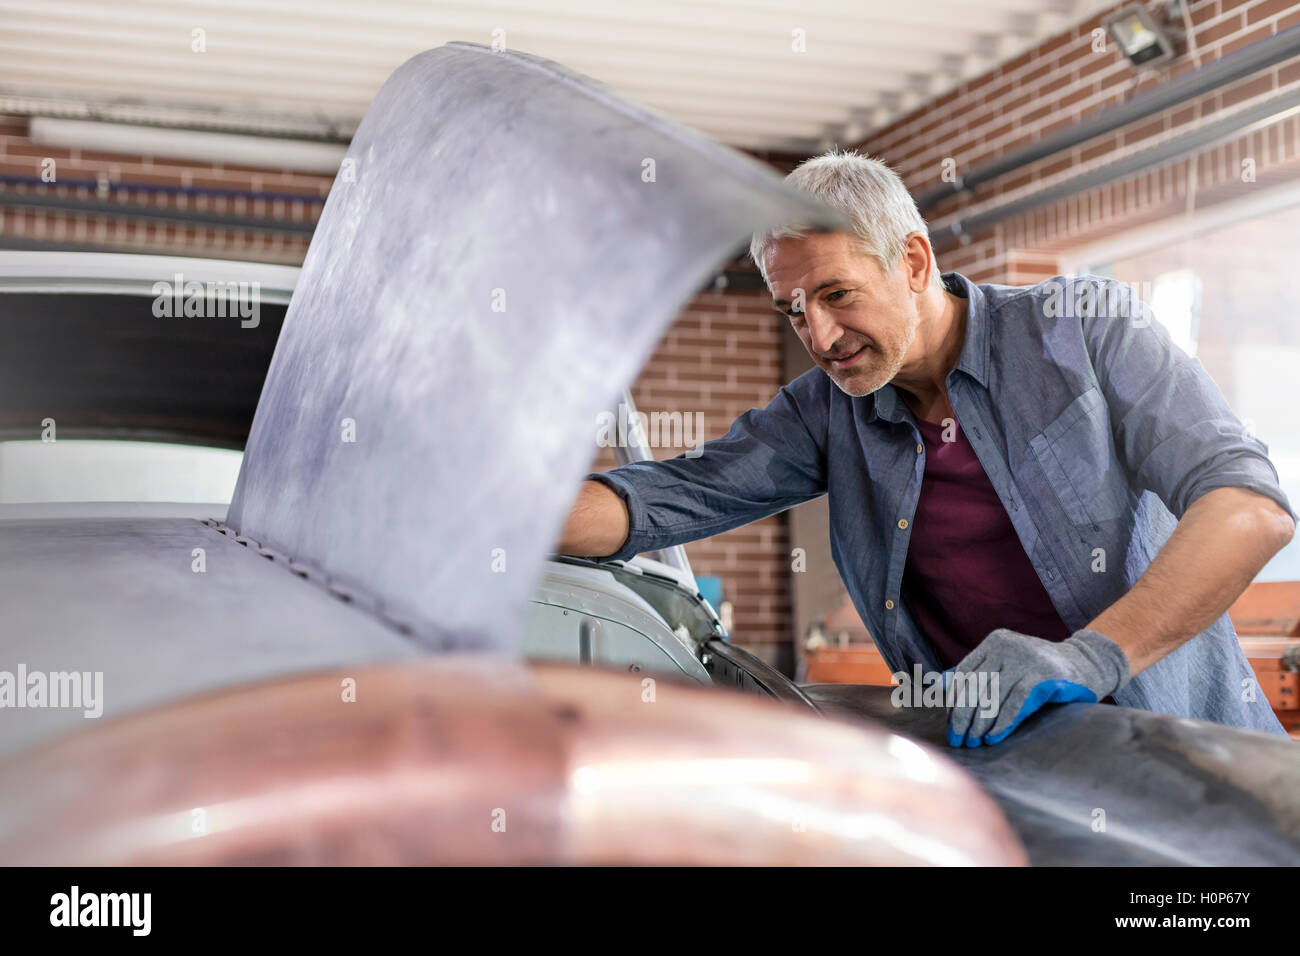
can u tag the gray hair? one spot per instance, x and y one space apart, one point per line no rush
881 211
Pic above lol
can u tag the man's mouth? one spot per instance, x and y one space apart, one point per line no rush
848 360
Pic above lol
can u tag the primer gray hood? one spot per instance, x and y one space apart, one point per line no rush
503 248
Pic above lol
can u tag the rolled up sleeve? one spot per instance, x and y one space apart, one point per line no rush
1173 427
769 460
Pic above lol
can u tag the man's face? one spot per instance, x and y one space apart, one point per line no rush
858 320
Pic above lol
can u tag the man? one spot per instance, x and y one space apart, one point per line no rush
1032 483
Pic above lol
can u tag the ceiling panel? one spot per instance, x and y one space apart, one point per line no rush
726 67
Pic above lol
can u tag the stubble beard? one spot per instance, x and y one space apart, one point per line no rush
860 382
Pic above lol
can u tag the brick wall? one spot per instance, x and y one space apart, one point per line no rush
1062 81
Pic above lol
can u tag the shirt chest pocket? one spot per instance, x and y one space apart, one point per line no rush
1076 453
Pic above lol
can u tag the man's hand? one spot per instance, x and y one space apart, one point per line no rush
1032 672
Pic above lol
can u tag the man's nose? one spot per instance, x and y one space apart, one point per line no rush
823 331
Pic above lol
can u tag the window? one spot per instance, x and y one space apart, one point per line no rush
1225 288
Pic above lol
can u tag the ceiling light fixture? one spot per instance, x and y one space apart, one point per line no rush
266 152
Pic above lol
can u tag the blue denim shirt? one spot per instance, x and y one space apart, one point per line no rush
1095 430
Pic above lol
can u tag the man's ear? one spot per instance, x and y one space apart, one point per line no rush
918 261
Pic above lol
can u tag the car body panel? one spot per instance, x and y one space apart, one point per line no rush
479 759
1095 784
586 615
121 596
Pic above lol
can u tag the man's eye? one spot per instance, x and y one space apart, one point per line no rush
839 292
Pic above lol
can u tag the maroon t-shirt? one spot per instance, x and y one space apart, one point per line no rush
967 573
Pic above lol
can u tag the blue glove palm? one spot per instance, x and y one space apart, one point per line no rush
1032 672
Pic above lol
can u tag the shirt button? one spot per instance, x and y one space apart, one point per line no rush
920 449
902 522
889 605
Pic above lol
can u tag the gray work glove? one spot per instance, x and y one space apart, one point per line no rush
1032 672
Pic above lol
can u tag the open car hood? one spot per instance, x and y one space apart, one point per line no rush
495 269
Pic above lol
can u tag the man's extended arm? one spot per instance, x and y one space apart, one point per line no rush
1222 541
597 524
769 460
1219 545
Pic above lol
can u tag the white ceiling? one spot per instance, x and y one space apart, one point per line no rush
725 67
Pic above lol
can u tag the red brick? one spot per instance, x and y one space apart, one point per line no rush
1014 64
944 101
149 177
960 147
1221 30
978 84
23 147
1117 76
1094 63
1034 115
1014 183
1031 77
1145 130
1056 44
977 121
978 157
1098 149
1012 105
1240 43
1056 85
1073 98
1056 167
996 93
1022 141
1203 12
998 132
1241 91
1265 9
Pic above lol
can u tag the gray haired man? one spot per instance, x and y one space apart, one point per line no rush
1027 482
